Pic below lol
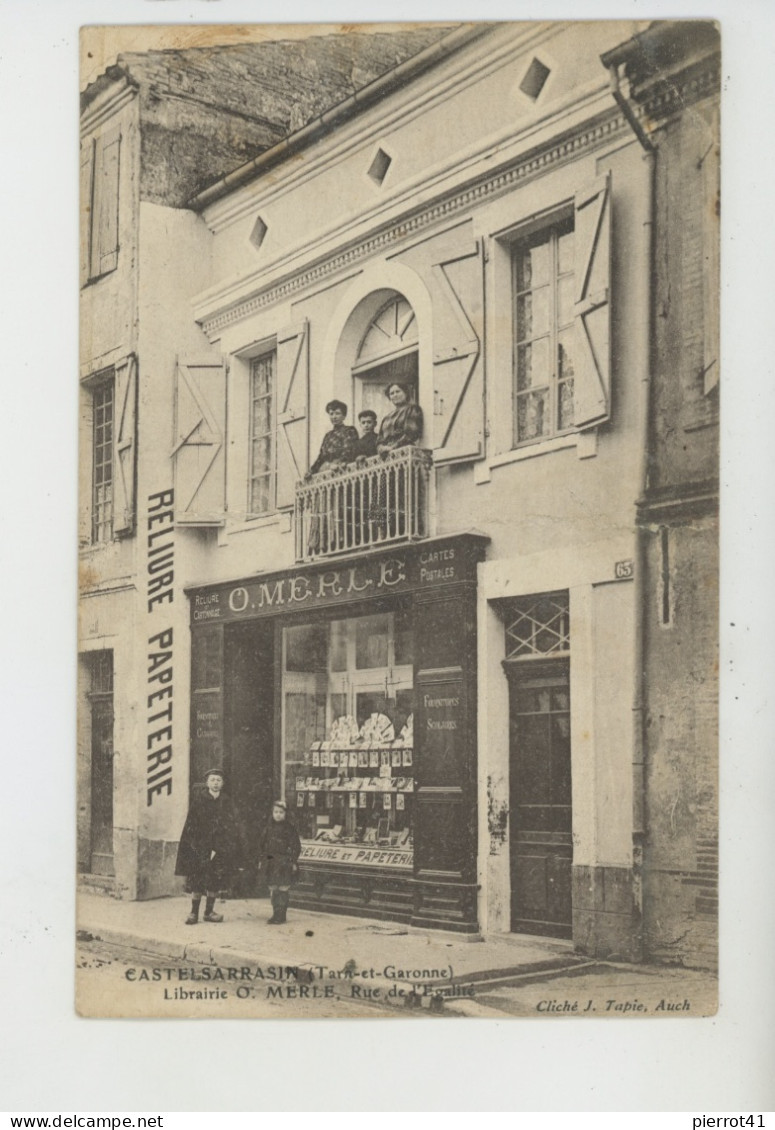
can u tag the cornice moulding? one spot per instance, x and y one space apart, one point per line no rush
242 297
107 104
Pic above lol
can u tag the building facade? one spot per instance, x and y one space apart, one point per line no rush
436 654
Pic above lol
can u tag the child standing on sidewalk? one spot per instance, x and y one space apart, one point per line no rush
280 850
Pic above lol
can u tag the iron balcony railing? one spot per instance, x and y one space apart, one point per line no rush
377 502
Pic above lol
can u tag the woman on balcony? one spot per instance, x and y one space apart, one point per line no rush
339 445
338 448
401 428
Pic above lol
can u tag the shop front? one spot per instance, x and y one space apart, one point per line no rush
350 690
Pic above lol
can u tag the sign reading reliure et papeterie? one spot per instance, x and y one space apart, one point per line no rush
399 570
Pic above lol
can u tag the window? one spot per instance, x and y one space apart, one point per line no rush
102 467
543 274
99 205
262 446
347 737
537 626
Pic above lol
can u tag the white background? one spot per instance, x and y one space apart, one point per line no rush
54 1061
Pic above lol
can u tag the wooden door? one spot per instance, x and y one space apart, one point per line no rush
540 789
101 784
249 736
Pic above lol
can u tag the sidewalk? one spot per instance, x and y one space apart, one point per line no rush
462 975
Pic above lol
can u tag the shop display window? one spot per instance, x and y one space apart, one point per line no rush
347 738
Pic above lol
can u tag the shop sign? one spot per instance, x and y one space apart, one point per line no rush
432 565
361 854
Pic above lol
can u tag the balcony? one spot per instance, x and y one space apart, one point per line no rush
379 502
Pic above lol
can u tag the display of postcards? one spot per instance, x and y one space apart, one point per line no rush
325 745
384 757
387 800
370 836
353 800
384 771
395 757
373 758
333 758
316 757
325 758
362 800
312 782
314 745
300 784
400 802
399 783
352 758
310 800
406 757
363 758
299 800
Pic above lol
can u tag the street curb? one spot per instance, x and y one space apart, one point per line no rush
394 994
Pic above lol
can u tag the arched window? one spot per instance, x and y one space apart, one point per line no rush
387 353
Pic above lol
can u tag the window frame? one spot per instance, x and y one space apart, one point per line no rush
560 223
268 351
102 531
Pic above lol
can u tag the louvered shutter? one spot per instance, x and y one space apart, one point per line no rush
592 363
125 447
106 171
199 452
292 410
87 169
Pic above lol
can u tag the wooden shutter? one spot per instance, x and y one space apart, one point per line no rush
458 377
592 377
125 447
450 265
292 410
199 452
105 233
87 171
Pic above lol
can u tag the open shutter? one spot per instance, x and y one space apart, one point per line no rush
451 266
199 452
125 447
458 377
106 166
292 410
592 363
87 169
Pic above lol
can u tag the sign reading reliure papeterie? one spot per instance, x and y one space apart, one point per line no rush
399 570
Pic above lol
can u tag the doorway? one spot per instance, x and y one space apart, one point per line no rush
101 808
541 848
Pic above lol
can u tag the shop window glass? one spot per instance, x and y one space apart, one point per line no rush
348 740
306 648
371 642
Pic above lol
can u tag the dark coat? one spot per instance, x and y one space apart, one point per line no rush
280 849
366 446
336 449
211 826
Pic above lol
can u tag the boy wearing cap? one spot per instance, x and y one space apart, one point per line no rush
207 853
280 850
